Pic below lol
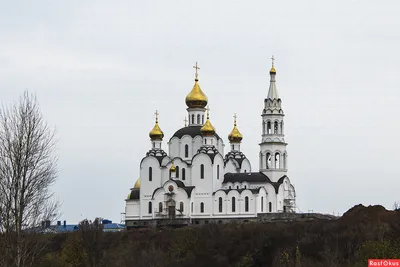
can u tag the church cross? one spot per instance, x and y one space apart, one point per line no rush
156 115
208 111
235 117
197 68
273 59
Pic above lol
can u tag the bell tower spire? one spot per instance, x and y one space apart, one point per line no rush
273 154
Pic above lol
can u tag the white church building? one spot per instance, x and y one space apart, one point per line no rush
196 182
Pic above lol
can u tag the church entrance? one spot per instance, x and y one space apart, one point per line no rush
171 211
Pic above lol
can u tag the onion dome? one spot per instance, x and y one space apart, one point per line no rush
235 136
272 70
207 129
156 133
172 169
196 98
137 184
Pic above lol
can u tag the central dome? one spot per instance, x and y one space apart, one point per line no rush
196 98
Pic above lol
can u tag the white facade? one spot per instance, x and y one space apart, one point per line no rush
208 184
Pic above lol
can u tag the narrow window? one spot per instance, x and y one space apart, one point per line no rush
230 187
237 187
262 204
217 171
268 163
202 119
277 160
233 204
220 204
232 148
177 172
186 151
192 118
198 118
202 207
270 206
246 204
202 171
150 174
281 127
154 144
275 127
245 171
263 127
160 207
191 207
269 127
150 207
181 206
183 174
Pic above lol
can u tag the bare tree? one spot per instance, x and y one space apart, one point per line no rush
27 172
91 234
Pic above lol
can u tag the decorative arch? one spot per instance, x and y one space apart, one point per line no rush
277 160
220 204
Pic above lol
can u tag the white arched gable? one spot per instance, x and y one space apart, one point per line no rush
246 166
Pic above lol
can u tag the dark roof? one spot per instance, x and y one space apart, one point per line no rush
252 177
135 194
190 130
236 155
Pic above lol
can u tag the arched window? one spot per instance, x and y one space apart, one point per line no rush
281 127
270 206
183 174
262 204
277 160
181 206
177 171
191 207
150 174
237 187
160 207
263 127
246 204
154 144
276 127
268 163
202 171
202 119
150 207
220 204
186 151
198 118
233 204
202 207
192 118
269 127
217 171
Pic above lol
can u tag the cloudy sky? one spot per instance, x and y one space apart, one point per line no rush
100 69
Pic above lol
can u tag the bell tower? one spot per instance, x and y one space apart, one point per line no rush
273 154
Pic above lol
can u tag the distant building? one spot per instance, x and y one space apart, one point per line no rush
108 226
195 182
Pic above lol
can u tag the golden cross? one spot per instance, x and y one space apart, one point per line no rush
197 68
235 117
273 59
157 116
208 111
185 120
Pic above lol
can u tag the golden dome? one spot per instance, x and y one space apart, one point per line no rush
235 136
137 184
196 98
156 133
207 128
172 169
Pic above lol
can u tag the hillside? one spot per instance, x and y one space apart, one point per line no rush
361 233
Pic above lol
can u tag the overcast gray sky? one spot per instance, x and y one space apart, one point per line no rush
100 69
